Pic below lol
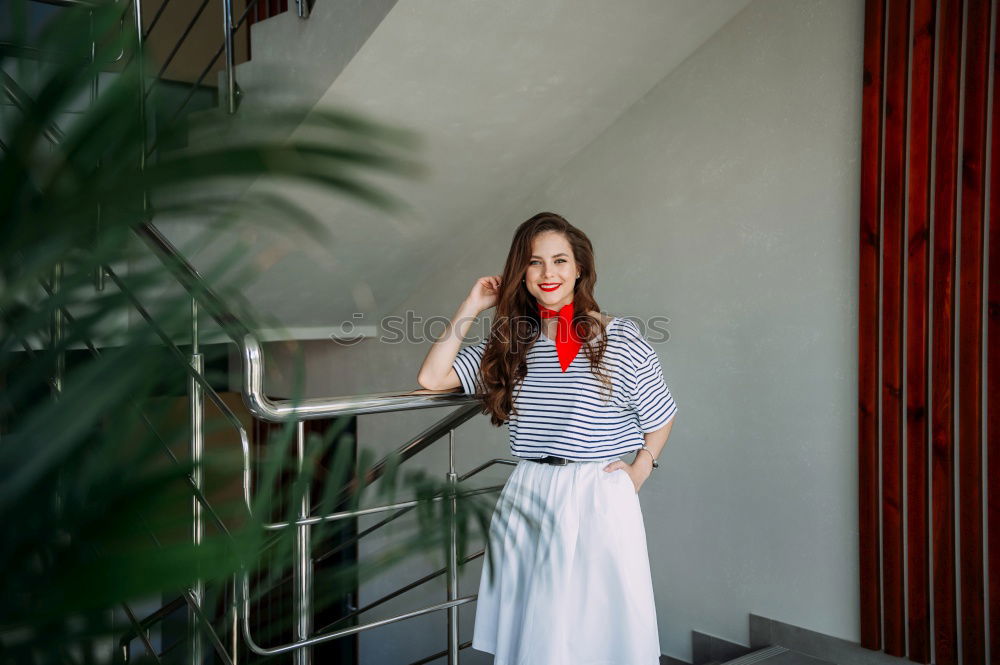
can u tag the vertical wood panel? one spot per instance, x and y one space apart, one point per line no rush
931 177
993 365
942 333
868 304
893 618
970 341
917 544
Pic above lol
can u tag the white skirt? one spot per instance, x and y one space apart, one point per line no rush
571 581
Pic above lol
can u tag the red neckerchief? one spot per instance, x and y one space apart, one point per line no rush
567 343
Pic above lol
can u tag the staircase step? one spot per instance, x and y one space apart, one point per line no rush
777 655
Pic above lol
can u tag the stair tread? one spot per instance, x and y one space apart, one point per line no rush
778 655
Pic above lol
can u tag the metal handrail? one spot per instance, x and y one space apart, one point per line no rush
422 580
344 514
319 639
398 592
352 405
378 525
405 452
283 410
259 404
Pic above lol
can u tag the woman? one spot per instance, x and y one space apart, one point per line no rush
567 578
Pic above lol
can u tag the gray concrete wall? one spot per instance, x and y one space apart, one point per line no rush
726 200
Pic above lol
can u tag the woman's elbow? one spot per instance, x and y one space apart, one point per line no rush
426 383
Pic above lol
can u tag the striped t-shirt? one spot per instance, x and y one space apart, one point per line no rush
567 414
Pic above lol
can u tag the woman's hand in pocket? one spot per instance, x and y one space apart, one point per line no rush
637 472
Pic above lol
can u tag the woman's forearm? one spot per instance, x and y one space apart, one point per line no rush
655 441
438 362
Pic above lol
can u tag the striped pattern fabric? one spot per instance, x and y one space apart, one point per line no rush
568 414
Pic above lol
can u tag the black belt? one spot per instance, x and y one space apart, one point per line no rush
552 459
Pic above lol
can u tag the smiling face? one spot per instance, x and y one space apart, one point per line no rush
552 270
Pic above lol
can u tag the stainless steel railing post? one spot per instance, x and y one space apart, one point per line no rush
302 569
227 28
56 333
95 89
452 553
234 621
140 63
197 417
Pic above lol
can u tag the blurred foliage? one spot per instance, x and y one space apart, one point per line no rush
95 502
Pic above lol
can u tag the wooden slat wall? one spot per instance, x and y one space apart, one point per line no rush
929 325
993 367
868 303
893 616
917 306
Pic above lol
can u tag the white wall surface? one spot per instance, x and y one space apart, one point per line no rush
500 93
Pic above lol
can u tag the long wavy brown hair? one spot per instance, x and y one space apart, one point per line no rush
517 324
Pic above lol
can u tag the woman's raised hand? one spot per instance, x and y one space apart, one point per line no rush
484 293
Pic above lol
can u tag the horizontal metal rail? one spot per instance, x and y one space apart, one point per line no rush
319 639
403 511
398 592
322 637
333 517
399 513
